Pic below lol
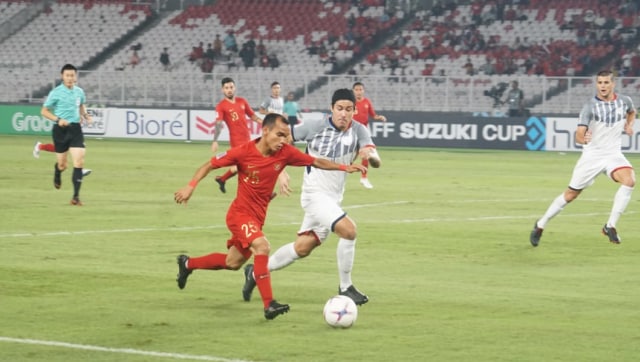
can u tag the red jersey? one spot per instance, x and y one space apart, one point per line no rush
234 114
364 110
257 175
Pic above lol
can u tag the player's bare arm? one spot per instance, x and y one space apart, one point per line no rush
216 134
256 118
583 135
628 126
330 165
283 180
46 113
380 117
184 194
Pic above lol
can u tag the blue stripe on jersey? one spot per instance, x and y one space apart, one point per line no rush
608 112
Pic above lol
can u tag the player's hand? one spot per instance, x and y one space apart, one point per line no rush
183 195
587 137
355 168
383 118
63 122
283 180
88 119
214 147
628 129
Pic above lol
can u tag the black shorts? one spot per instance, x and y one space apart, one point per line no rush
67 137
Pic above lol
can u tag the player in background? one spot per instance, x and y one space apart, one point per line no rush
258 162
233 111
292 109
49 147
602 121
364 110
65 106
274 103
339 139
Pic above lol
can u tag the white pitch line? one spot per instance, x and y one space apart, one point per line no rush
221 226
88 347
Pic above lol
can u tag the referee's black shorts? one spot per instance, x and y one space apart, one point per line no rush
67 137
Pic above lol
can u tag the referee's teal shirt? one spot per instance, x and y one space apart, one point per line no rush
65 103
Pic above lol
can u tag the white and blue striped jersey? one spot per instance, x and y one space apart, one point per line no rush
326 141
273 105
606 120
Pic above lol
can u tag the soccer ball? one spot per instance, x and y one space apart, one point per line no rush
340 312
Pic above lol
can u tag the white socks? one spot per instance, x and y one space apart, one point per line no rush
282 257
554 209
346 253
620 202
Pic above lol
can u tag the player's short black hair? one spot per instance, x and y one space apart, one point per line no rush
275 83
343 94
68 67
226 80
357 84
270 120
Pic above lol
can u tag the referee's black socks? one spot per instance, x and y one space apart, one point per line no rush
77 181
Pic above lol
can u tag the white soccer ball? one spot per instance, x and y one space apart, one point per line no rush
340 312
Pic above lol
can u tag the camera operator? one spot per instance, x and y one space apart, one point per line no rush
515 98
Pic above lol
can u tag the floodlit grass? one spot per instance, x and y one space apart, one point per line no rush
443 254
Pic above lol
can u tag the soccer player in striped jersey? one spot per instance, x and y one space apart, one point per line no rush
259 163
364 110
341 140
274 103
602 122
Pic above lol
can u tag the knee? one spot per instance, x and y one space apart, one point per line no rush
304 249
234 265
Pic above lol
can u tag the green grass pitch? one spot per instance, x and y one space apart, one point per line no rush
443 253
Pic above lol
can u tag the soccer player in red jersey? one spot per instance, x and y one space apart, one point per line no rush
233 111
259 163
364 110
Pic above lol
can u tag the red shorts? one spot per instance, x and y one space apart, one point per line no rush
244 230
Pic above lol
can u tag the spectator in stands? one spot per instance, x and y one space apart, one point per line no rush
313 49
248 55
428 69
164 59
217 46
487 68
261 49
230 43
468 67
193 56
515 100
274 62
200 50
209 53
135 59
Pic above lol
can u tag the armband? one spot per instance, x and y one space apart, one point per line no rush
57 120
343 167
193 183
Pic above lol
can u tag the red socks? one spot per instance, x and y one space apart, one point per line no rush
213 261
227 175
263 278
47 147
365 163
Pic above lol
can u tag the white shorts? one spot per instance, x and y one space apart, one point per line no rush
589 166
321 213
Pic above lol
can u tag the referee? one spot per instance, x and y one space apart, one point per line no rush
65 106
